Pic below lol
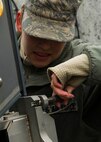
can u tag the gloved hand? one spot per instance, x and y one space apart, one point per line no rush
64 94
66 76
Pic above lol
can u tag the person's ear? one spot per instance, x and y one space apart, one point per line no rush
19 21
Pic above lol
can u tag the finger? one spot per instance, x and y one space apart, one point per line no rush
62 93
55 81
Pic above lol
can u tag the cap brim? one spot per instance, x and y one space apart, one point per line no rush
47 28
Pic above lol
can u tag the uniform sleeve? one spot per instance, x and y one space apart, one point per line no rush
85 65
93 52
72 72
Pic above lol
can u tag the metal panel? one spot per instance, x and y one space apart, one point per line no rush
11 83
15 128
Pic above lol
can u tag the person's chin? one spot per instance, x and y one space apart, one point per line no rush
42 65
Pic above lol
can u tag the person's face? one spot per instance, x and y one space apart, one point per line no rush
41 52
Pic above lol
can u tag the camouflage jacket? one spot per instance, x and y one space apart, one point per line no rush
81 121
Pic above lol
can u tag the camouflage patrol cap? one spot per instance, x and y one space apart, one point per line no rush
50 19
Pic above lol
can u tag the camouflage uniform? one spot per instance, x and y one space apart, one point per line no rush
55 20
82 125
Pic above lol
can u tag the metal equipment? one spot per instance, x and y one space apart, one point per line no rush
31 121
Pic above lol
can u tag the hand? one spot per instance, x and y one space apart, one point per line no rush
64 94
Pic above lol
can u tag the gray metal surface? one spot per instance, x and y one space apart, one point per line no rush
45 122
9 65
42 125
16 127
46 126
